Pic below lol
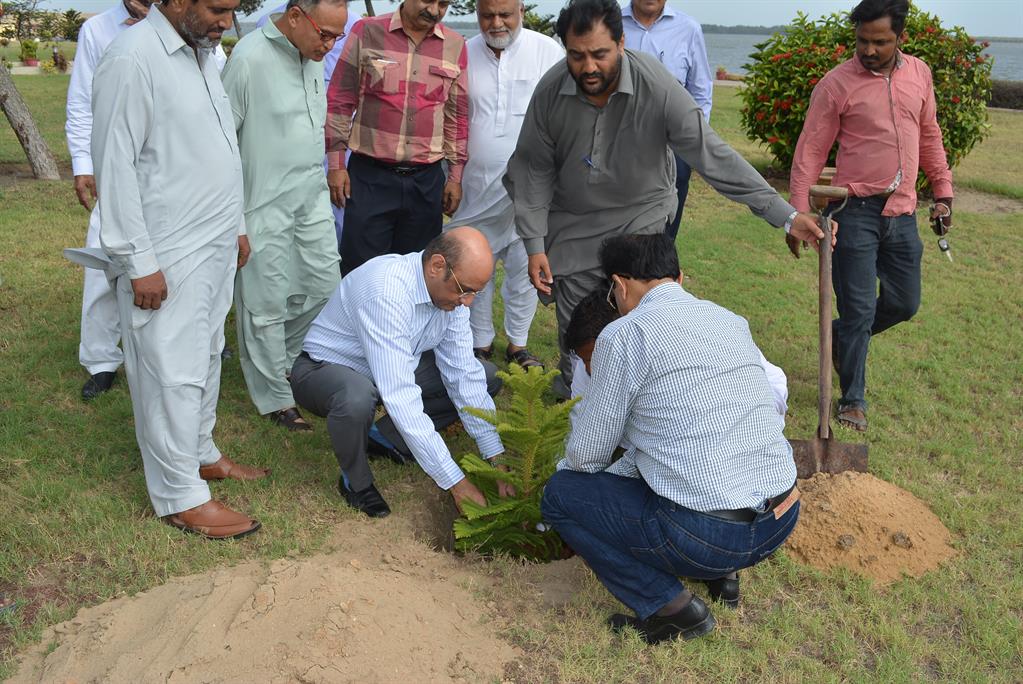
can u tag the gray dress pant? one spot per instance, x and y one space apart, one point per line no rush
348 400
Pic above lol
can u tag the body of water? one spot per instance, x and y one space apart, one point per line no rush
732 50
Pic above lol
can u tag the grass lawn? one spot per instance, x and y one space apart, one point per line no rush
945 391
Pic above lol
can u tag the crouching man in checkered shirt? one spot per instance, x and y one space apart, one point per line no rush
706 486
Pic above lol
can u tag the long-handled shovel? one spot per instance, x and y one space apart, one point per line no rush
823 454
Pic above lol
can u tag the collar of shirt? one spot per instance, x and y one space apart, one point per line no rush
667 12
121 13
169 36
864 70
421 295
273 33
396 24
570 87
660 293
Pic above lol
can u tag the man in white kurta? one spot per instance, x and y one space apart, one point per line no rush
505 63
169 175
275 83
98 349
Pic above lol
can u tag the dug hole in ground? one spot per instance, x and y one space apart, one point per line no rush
387 603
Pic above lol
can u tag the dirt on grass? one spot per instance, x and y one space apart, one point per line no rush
856 521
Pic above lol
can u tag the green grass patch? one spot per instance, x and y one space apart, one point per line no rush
945 392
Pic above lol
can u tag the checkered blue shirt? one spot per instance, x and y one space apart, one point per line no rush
679 380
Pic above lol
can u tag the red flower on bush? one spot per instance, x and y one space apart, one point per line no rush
760 116
956 99
773 139
980 59
931 29
814 81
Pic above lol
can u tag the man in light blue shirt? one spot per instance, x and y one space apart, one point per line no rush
676 39
396 331
706 484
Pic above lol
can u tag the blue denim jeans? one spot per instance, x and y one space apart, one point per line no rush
871 248
639 543
683 172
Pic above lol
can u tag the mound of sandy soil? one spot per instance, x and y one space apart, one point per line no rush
872 527
380 610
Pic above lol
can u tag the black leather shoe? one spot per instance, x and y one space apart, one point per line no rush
695 620
368 500
226 354
98 384
724 590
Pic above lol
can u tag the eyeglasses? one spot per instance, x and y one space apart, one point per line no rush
325 36
611 300
462 293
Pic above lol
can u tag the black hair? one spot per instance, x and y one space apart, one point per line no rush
872 10
448 247
640 257
579 16
589 317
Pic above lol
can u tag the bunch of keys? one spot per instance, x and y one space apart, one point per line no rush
939 227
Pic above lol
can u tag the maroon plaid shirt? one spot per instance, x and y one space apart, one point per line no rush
410 103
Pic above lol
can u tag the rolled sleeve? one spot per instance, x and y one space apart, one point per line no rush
388 349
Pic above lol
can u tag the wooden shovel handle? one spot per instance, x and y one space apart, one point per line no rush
824 308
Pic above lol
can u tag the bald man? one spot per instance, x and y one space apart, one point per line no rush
396 331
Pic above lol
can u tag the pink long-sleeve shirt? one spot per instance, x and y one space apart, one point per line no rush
883 125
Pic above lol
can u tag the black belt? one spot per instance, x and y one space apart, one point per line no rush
748 514
400 169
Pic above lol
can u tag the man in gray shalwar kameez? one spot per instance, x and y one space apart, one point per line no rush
167 168
594 159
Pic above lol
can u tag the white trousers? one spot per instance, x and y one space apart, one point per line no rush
101 327
519 300
172 363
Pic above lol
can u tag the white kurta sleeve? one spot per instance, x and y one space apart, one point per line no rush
122 108
78 127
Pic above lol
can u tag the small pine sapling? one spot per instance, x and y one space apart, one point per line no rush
533 432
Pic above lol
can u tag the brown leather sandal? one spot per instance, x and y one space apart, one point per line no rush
852 417
291 419
524 358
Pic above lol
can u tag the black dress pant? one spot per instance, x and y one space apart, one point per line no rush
391 211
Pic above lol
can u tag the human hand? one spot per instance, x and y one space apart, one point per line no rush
244 250
85 188
149 290
942 208
340 186
504 490
466 490
452 197
540 273
805 230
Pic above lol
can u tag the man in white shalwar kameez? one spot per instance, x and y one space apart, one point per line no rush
275 83
169 176
505 63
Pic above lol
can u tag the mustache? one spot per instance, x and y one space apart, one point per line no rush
429 17
595 74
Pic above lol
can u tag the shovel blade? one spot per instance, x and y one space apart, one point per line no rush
827 456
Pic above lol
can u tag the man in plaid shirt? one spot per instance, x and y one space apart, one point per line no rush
398 101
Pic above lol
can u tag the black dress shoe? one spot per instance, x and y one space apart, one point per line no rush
98 384
226 354
691 622
724 590
367 500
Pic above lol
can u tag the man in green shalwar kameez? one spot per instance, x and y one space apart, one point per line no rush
275 82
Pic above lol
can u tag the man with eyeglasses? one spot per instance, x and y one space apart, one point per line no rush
396 332
275 82
398 102
100 328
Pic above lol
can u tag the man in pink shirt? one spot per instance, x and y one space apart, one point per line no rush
880 108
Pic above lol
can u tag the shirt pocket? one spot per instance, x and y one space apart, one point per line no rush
521 94
381 73
438 81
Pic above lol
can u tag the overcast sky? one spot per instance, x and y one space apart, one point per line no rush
979 17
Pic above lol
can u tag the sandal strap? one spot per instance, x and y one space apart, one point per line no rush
484 353
524 358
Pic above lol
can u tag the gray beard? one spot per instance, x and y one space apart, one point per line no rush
502 43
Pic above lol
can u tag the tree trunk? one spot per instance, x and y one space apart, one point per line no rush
370 12
39 156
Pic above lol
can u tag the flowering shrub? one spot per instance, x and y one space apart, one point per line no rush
786 67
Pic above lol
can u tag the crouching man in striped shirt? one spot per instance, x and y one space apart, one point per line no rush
706 486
